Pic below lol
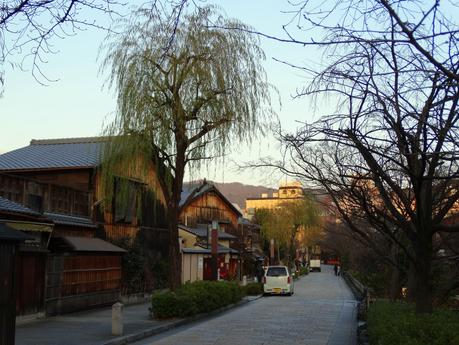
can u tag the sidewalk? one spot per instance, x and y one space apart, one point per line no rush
94 327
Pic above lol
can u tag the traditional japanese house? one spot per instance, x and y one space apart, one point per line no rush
201 204
75 163
58 182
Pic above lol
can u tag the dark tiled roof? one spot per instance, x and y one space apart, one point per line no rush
201 231
64 219
89 244
13 207
247 222
192 190
9 234
55 153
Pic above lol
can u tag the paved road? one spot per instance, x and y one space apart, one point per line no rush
322 311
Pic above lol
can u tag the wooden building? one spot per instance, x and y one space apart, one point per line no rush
71 170
57 183
202 203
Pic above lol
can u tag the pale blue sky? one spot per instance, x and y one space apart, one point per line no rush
76 105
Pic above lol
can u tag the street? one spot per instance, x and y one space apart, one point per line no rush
322 311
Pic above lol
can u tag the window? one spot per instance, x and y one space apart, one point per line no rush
125 200
276 272
35 202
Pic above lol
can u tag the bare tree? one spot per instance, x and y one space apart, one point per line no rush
388 154
29 29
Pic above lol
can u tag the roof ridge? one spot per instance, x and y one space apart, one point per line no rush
77 140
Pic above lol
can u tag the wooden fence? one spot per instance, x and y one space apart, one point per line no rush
80 281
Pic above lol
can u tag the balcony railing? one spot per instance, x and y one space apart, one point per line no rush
45 197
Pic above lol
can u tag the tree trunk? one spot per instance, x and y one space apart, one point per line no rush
175 262
395 284
394 288
175 272
290 251
424 286
411 283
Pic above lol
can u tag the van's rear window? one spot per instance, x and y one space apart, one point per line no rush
276 272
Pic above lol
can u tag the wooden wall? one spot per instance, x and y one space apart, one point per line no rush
119 231
54 198
90 273
79 281
116 230
79 179
208 207
75 231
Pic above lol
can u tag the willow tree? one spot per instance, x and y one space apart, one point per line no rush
292 225
186 92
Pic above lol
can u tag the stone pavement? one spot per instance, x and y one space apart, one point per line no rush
321 312
94 327
84 328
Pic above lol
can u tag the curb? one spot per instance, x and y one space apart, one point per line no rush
130 338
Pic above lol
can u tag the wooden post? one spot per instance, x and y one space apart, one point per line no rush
9 242
214 250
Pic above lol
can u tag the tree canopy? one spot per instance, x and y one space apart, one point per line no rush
186 103
294 224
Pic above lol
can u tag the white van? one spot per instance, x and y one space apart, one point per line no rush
278 280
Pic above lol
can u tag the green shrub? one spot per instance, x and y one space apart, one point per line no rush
194 298
303 271
253 289
397 324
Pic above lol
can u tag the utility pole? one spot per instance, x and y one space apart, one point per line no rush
214 250
271 252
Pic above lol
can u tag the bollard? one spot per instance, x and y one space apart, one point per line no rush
244 280
117 319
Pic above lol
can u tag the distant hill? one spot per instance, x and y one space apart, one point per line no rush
237 192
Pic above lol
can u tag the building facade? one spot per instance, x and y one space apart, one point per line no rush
52 191
287 192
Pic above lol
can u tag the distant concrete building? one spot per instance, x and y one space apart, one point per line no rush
288 191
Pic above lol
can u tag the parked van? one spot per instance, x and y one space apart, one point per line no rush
278 280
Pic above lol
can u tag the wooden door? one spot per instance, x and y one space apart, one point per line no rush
31 269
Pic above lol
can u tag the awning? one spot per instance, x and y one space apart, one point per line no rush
9 234
89 244
30 226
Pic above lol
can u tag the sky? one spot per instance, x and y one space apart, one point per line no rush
77 104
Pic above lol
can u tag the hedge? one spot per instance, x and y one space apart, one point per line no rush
397 324
253 289
195 298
